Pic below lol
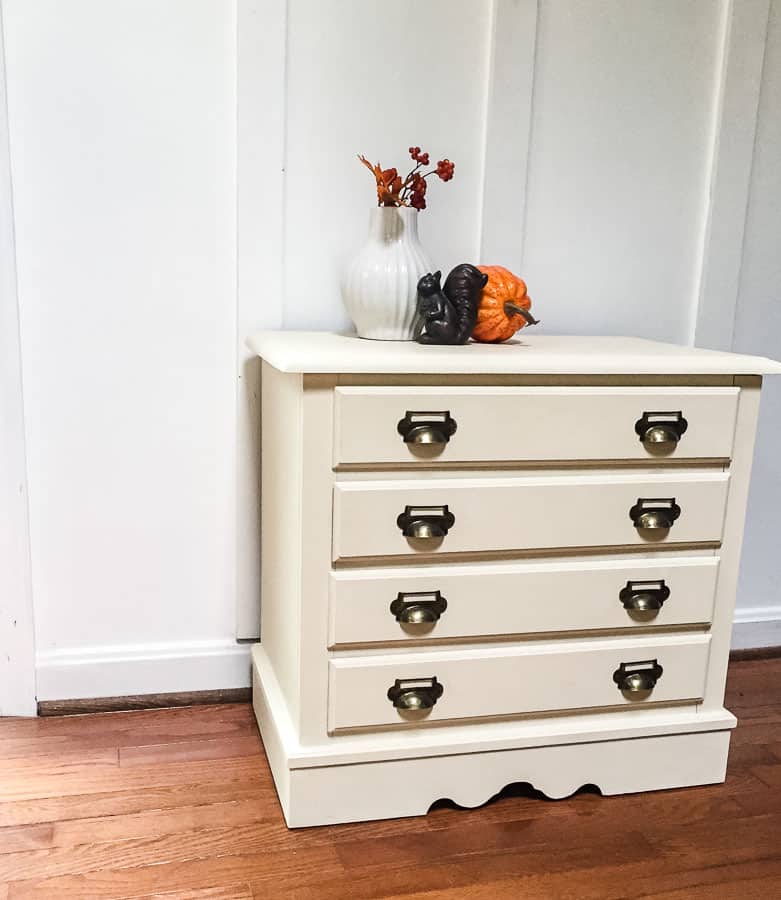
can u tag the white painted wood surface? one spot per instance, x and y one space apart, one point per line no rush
540 354
758 329
122 670
123 146
498 734
525 513
17 646
282 528
742 52
515 680
618 169
517 598
401 773
261 56
408 788
508 130
338 63
734 524
522 424
536 673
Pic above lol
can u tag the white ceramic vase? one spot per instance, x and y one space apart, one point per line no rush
380 284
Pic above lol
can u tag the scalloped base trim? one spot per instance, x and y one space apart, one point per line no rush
391 789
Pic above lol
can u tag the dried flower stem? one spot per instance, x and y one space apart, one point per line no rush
392 190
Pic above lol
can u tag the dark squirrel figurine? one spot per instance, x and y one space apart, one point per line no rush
447 315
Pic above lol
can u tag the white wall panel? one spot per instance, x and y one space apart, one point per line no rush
261 59
122 120
619 163
734 133
17 649
375 78
758 330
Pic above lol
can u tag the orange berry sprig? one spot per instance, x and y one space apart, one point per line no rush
392 190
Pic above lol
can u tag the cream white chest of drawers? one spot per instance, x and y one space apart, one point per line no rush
495 564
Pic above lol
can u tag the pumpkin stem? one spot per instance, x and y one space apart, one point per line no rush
511 309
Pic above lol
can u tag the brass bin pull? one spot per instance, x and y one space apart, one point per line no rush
427 427
661 428
425 522
418 607
644 596
654 513
637 677
415 693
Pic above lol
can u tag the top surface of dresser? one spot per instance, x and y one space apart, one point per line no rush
330 353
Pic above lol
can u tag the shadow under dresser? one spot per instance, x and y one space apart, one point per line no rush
495 564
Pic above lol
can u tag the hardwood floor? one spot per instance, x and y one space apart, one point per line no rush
179 804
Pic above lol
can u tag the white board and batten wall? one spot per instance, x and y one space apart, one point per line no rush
603 148
122 137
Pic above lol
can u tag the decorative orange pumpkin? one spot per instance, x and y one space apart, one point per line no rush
503 306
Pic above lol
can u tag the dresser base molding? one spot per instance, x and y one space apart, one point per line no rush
349 780
360 792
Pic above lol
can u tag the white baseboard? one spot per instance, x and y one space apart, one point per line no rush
757 626
131 669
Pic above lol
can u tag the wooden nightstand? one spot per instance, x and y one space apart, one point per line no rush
488 564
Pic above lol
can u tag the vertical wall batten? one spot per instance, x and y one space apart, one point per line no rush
738 90
508 132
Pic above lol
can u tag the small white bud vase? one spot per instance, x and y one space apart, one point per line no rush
380 284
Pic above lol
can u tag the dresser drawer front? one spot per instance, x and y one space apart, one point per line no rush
478 601
515 681
524 513
506 424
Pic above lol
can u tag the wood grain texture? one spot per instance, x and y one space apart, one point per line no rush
141 701
178 804
755 653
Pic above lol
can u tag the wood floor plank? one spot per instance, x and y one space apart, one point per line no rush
151 849
185 720
142 734
91 780
308 867
188 751
159 822
26 837
630 882
229 892
112 803
65 762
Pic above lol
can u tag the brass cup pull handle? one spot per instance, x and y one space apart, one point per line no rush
644 596
418 607
425 522
427 427
661 429
415 693
637 677
655 513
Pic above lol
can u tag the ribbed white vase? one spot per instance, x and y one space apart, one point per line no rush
380 284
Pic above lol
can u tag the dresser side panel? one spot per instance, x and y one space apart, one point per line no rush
732 541
316 541
281 529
